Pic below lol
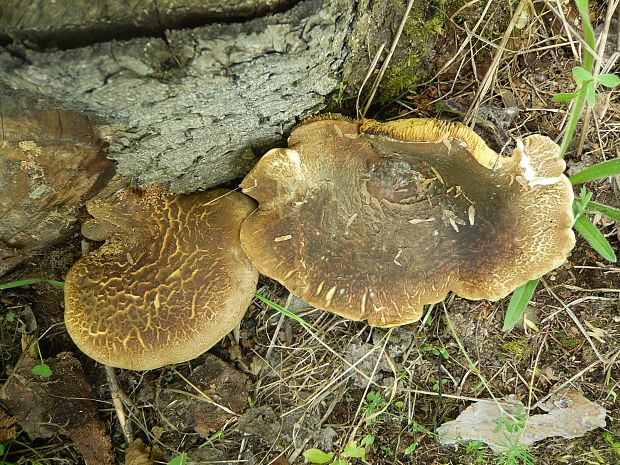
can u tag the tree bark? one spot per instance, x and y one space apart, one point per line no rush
191 109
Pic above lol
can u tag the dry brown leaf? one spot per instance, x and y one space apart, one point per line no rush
7 427
138 454
60 404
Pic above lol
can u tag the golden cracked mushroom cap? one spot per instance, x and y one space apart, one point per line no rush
170 281
373 221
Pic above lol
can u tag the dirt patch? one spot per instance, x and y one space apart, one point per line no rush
58 401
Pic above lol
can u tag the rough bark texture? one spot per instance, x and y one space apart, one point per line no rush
190 110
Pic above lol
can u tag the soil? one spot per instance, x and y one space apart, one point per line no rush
286 390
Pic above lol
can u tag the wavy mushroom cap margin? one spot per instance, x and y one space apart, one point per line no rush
372 221
170 281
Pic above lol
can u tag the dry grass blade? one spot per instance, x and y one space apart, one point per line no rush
386 62
491 73
576 321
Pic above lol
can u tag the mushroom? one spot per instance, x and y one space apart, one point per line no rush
372 221
170 281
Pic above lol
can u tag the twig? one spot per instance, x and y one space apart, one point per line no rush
490 74
386 62
205 395
375 60
565 383
117 393
575 320
393 393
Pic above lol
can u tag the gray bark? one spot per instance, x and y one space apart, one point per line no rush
192 109
68 23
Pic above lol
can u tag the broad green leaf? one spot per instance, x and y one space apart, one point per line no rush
28 281
606 435
582 6
573 119
518 301
600 170
411 448
369 439
590 94
595 238
581 74
610 212
180 459
43 370
318 456
608 80
352 450
10 316
564 97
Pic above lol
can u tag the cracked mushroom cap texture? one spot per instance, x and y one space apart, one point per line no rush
170 281
372 221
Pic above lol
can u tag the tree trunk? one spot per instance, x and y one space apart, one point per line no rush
190 108
178 104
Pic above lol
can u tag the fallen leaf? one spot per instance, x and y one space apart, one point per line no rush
138 454
188 410
59 404
7 427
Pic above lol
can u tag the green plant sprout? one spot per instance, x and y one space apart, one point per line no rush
42 369
352 450
3 454
586 83
180 459
475 451
614 445
515 453
373 403
340 96
410 449
436 351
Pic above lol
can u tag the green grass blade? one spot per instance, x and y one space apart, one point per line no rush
588 33
573 119
28 281
563 96
610 212
518 301
595 238
286 312
600 170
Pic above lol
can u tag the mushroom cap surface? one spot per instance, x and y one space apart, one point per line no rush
372 221
170 281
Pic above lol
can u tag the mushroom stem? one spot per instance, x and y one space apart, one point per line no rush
117 393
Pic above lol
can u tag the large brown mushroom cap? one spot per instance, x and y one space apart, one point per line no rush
373 221
170 281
